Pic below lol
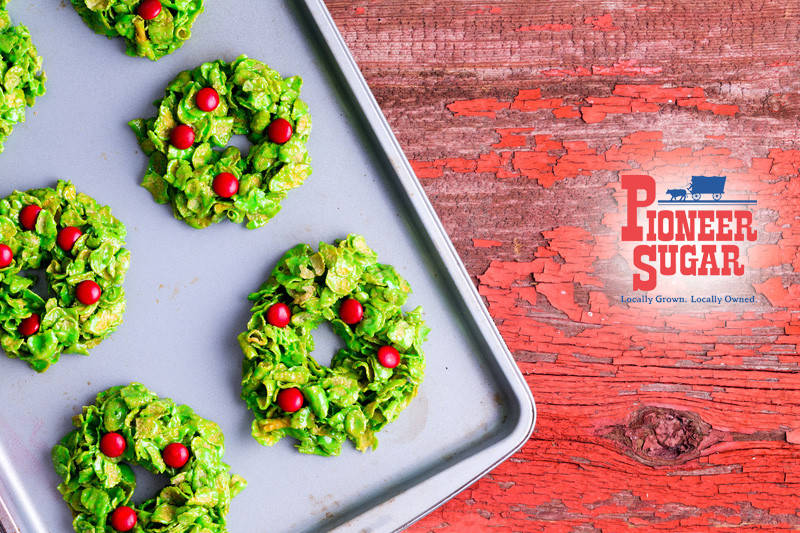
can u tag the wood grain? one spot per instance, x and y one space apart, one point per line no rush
519 118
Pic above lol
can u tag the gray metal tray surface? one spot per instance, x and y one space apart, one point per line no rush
187 289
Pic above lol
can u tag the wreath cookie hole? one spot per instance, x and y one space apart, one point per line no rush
148 484
238 141
40 286
326 344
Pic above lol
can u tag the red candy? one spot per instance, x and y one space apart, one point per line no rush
113 444
290 400
279 315
181 136
6 256
225 184
351 311
123 518
388 356
67 236
88 292
175 455
149 9
279 130
207 99
29 326
28 216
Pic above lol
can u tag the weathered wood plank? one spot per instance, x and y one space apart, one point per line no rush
519 118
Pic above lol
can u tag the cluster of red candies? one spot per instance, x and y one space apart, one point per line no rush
175 455
351 312
87 292
182 137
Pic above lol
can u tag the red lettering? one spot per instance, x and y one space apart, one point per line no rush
651 225
639 254
730 260
670 251
685 225
706 233
632 231
668 233
724 232
708 264
688 264
743 221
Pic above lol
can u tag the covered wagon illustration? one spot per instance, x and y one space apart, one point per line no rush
713 185
700 185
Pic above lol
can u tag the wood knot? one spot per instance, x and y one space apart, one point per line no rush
773 103
782 104
659 436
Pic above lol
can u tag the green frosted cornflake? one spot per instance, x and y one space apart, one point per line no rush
357 395
152 38
251 97
66 325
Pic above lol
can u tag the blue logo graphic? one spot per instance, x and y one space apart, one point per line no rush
699 186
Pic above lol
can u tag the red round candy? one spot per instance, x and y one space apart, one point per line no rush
182 136
351 311
225 184
279 130
290 400
88 292
29 326
279 315
28 216
207 99
175 455
6 255
67 236
123 518
388 356
149 9
113 444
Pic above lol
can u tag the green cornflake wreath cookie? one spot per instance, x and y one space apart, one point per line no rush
21 76
79 244
190 167
368 383
132 426
151 28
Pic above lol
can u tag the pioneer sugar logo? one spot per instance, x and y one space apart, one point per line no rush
694 232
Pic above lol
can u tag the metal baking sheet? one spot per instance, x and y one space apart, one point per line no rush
187 289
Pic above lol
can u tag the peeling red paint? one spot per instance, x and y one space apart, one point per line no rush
638 330
546 27
360 11
650 99
625 67
627 333
482 107
602 23
492 10
426 169
532 201
563 72
624 99
522 152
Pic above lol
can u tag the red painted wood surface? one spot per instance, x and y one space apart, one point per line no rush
519 118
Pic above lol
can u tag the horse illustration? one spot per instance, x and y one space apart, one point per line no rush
677 194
